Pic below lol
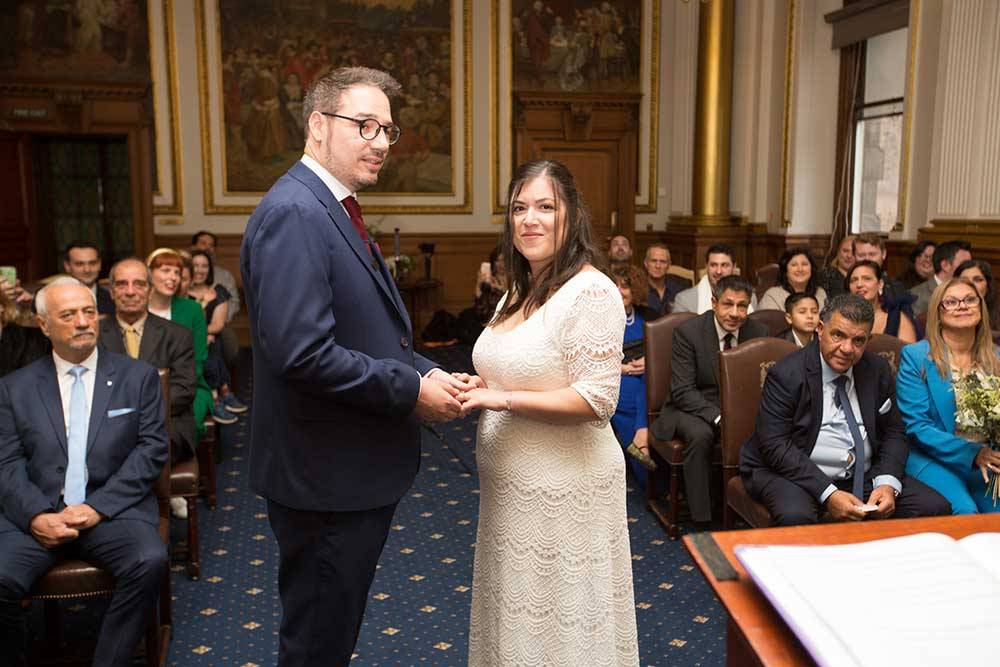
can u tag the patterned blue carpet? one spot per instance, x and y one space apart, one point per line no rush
418 612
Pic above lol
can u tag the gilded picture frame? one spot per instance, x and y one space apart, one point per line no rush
508 47
242 156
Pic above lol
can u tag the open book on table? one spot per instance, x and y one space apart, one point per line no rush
922 599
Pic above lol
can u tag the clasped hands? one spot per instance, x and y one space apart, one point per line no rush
446 396
53 529
844 506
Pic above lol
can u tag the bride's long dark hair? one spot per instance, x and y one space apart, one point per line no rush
575 250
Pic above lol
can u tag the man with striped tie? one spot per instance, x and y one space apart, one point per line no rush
82 441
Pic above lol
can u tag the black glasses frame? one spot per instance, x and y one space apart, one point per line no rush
392 132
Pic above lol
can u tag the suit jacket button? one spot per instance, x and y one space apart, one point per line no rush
404 342
60 469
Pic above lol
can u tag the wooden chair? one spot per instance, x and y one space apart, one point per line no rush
764 278
888 347
659 341
682 273
185 482
742 371
774 320
207 452
72 579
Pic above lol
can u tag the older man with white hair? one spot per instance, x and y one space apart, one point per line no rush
82 441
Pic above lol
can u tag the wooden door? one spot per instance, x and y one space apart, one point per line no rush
17 232
595 137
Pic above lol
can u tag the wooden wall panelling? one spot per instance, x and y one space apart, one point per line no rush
16 209
455 263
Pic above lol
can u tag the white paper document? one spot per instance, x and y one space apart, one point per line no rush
917 600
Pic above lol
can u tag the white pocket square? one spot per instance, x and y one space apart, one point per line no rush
119 412
885 406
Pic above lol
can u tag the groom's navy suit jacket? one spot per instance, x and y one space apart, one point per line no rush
335 375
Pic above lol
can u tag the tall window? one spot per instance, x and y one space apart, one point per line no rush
878 134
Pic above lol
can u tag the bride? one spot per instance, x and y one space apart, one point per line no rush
553 573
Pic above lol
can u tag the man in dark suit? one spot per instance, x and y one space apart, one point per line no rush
692 411
663 286
808 453
136 332
82 260
82 442
339 442
947 257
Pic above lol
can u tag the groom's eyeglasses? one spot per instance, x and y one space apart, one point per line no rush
369 127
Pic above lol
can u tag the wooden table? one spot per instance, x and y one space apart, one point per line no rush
756 634
416 292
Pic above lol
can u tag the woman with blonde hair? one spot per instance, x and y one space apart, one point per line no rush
958 342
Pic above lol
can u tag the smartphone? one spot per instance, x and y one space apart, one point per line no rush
9 273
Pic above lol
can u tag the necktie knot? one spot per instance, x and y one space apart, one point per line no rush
77 371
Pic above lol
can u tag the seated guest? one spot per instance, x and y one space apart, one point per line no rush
491 283
620 250
67 495
828 433
720 261
947 256
920 266
630 421
692 412
797 272
214 300
82 260
833 275
802 314
871 247
981 275
662 287
958 342
165 266
161 343
891 317
20 343
208 241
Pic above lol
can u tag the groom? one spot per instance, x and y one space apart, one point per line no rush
340 392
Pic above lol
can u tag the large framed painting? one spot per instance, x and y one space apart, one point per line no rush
167 196
74 41
257 59
577 47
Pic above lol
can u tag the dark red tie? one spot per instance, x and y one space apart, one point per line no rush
354 211
727 341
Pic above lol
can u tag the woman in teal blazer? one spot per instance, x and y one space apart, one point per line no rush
958 341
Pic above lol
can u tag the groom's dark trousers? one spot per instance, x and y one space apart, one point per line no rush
334 443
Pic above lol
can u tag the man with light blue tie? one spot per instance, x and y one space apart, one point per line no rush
82 441
829 438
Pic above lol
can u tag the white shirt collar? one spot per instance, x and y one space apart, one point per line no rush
721 333
63 366
937 281
339 190
829 375
138 324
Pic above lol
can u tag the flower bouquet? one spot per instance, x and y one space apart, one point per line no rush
977 412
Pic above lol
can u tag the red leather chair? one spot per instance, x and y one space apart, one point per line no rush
742 371
774 320
764 278
888 347
659 342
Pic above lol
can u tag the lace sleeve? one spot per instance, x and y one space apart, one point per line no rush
591 337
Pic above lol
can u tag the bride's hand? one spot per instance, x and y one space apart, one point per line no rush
485 399
474 380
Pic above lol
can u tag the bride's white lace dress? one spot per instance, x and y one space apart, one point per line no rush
553 569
